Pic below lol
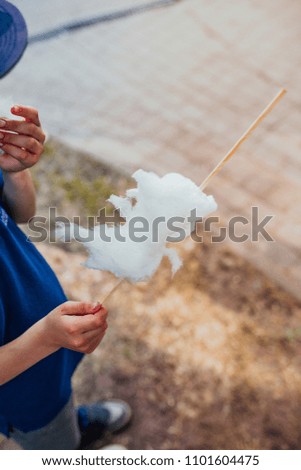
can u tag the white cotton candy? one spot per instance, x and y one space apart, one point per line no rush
172 195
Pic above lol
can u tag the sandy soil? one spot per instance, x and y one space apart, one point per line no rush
208 360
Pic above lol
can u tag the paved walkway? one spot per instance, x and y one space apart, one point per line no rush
171 90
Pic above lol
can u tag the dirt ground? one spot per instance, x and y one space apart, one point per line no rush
208 360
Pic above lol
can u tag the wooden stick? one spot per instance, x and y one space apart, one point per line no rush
120 281
244 137
227 157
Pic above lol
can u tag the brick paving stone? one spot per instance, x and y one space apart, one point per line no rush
172 90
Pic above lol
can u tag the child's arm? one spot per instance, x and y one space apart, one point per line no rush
73 325
22 145
19 195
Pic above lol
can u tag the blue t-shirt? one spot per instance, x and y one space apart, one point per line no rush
29 290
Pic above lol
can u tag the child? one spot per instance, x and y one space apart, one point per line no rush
42 336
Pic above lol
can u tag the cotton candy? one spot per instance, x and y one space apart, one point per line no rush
154 197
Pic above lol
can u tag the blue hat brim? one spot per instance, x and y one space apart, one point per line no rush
13 36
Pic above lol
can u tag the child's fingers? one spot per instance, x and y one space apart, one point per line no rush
79 308
86 342
92 322
29 113
80 325
22 127
83 317
8 163
16 152
93 335
22 141
93 344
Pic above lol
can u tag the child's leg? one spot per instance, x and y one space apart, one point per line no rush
62 433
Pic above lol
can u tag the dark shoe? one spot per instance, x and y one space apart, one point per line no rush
108 416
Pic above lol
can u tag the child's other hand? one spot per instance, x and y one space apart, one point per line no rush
78 326
21 141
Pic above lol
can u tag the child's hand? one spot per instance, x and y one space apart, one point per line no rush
21 141
76 325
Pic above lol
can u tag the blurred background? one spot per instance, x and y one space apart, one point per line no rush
212 358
